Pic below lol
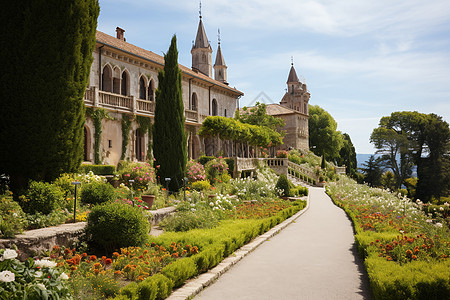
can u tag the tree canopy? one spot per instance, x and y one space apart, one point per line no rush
257 115
347 155
324 139
169 137
46 59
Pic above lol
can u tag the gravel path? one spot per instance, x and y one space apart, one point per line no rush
313 258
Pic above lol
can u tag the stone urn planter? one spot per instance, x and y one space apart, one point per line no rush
148 199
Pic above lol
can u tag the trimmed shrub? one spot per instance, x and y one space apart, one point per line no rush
41 197
98 169
147 290
215 168
205 159
97 192
195 171
12 218
111 226
141 173
202 185
299 191
283 184
164 284
230 163
180 270
187 220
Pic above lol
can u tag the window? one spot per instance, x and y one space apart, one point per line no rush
124 89
225 113
107 79
194 102
142 89
214 107
151 90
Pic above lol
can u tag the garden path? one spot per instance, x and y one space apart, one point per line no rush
313 258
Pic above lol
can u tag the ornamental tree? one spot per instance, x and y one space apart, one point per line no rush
169 137
46 58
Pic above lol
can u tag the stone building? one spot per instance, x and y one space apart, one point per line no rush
123 80
293 109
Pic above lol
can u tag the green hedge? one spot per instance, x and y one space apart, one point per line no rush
98 169
214 245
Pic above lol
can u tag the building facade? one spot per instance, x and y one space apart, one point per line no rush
293 109
123 81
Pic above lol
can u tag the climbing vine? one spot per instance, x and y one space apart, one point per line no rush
97 115
126 125
145 124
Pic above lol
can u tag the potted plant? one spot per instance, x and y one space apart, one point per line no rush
148 196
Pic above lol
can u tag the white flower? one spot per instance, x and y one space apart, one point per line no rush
38 274
441 208
8 254
64 276
438 225
45 263
41 286
7 276
429 221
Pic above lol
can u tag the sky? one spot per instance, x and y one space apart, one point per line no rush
360 59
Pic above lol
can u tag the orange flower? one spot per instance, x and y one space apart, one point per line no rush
93 257
116 254
97 265
84 255
108 261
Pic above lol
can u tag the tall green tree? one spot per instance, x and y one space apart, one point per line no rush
169 137
324 139
46 56
347 156
373 170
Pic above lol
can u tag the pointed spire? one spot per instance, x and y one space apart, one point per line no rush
201 41
220 61
292 75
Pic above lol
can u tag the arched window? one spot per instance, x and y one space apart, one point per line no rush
87 144
214 107
142 89
116 80
107 79
225 113
124 89
194 102
151 90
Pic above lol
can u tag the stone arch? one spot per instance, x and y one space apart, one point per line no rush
214 107
194 102
139 145
125 83
107 78
143 87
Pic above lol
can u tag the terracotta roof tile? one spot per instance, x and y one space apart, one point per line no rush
108 40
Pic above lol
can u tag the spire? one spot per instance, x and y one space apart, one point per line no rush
201 41
219 57
292 75
201 50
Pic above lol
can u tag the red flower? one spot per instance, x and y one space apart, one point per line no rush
108 261
93 257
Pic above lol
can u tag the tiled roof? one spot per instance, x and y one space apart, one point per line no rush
277 109
119 44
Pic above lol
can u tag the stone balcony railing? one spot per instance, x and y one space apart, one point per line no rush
93 97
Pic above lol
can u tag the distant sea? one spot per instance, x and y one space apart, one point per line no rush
362 158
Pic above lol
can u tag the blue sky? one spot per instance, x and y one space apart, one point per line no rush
361 59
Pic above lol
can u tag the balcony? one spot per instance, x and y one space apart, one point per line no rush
119 103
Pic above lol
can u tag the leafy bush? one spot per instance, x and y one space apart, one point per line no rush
215 168
40 220
191 219
230 163
195 171
141 173
111 226
283 185
180 270
282 154
98 169
12 218
41 197
299 191
202 185
205 159
97 192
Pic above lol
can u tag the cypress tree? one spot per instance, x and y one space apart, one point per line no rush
46 56
169 137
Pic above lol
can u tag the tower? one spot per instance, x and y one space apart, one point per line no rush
220 68
201 51
297 94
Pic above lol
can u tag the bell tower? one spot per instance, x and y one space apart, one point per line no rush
220 68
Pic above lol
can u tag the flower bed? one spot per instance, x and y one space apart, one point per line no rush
406 253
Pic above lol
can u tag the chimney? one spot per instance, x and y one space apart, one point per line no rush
120 32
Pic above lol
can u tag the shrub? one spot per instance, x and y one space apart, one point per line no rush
39 220
282 154
98 169
180 270
111 226
202 185
97 192
187 220
195 171
230 163
283 185
215 168
299 191
41 197
205 159
141 173
12 218
147 290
